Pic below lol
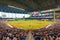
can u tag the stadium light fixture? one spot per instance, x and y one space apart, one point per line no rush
15 7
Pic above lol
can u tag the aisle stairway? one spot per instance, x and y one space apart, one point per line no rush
30 36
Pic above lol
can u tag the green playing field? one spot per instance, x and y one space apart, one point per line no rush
29 24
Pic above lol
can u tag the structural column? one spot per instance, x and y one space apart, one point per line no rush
54 16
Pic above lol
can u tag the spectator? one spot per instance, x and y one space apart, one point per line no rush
4 38
58 37
14 38
8 38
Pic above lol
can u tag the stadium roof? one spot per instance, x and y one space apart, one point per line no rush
33 5
51 10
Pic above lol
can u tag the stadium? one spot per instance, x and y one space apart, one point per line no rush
30 20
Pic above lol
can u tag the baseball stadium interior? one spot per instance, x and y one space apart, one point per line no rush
29 19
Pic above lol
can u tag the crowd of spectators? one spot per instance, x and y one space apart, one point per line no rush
10 34
46 34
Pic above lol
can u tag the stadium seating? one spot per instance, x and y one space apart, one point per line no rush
4 25
5 8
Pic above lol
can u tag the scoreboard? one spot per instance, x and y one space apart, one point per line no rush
35 13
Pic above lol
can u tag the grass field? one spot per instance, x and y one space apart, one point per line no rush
29 24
